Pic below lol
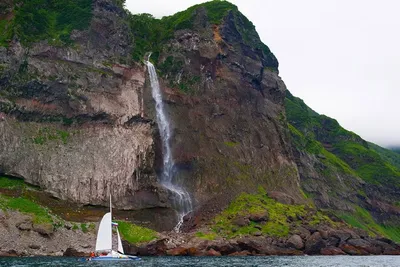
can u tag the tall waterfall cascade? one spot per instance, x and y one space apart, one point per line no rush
181 199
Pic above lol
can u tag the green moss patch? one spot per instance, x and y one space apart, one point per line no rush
6 32
39 213
206 236
135 234
362 219
54 21
231 144
368 164
281 217
46 134
11 183
337 148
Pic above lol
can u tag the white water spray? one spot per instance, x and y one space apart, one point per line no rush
181 198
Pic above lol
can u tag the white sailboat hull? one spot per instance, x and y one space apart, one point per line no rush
114 256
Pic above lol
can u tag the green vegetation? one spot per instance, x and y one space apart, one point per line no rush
75 227
312 146
11 183
281 217
6 32
386 154
54 21
368 164
91 227
362 219
135 234
216 10
337 147
40 215
231 144
150 33
23 204
84 228
206 236
49 134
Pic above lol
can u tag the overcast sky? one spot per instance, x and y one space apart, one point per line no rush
342 57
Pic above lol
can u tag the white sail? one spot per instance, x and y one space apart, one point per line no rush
104 235
120 248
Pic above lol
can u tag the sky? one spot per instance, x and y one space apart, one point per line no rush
342 57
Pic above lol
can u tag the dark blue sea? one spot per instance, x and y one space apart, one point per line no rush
306 261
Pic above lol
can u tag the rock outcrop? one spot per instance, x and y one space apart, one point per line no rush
72 119
19 238
316 244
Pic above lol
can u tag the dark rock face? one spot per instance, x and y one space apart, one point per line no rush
314 244
296 242
240 221
44 229
78 113
330 251
259 217
228 136
71 252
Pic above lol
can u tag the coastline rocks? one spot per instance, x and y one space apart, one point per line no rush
212 252
295 241
331 251
352 250
44 229
314 244
24 223
154 248
365 245
323 241
71 252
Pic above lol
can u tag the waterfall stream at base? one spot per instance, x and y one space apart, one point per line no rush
181 199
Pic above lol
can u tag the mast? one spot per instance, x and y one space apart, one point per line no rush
111 219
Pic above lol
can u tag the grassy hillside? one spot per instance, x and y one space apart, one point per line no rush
319 134
388 155
36 20
345 152
395 149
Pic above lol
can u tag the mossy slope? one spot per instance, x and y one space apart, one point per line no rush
37 20
319 134
280 219
345 153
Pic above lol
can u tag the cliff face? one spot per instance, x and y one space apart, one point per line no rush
77 117
71 115
226 104
78 122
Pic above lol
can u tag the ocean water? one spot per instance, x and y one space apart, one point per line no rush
304 261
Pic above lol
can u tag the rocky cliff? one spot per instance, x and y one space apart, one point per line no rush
77 118
71 118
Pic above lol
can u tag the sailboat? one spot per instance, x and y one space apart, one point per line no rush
104 249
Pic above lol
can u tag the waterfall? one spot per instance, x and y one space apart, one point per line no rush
181 199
